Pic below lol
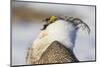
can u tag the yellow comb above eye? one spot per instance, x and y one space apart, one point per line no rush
52 18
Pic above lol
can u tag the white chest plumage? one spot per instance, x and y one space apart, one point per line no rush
60 30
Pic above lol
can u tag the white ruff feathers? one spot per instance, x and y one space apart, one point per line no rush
60 30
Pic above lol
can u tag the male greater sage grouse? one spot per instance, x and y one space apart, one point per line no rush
56 41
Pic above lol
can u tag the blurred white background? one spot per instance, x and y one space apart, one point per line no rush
25 31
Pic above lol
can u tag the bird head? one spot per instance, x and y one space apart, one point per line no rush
49 20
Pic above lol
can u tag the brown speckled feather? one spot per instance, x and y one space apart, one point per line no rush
55 53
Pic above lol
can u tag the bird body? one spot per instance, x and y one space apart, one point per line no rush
57 30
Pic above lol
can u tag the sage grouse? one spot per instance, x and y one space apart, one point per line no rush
56 41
